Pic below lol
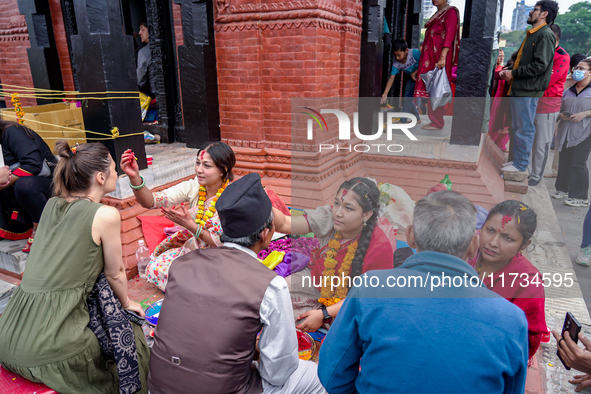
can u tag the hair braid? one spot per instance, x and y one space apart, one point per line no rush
367 195
363 244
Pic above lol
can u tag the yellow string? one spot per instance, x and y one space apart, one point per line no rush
83 98
66 91
114 132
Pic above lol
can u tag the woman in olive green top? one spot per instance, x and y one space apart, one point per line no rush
43 332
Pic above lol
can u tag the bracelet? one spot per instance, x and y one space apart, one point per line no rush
198 232
7 182
140 185
127 303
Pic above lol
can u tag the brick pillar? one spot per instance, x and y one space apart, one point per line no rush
14 42
61 42
268 54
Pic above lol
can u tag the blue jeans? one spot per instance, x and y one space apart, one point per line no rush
523 113
587 230
408 104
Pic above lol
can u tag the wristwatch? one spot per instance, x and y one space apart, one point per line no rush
327 315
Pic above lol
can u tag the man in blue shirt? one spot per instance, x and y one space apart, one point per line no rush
407 61
428 326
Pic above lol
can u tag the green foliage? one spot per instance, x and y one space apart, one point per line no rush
576 28
514 38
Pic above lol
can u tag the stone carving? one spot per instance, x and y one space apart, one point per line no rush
16 30
259 16
221 6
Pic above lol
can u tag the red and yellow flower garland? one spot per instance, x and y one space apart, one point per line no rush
327 297
18 108
202 214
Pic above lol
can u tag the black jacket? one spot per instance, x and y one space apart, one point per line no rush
30 152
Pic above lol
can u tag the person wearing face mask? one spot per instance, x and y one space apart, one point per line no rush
505 235
190 204
574 139
352 242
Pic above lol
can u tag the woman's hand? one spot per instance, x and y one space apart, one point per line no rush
414 74
562 116
4 175
384 98
313 322
441 63
129 165
576 118
136 308
179 215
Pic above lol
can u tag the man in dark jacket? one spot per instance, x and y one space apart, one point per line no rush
529 79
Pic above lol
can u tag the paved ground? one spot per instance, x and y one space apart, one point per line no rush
571 225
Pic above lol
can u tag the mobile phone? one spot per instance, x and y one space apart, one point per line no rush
135 318
573 328
566 113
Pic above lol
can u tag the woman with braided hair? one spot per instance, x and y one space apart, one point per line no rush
351 243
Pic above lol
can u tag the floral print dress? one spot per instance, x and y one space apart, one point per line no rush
183 241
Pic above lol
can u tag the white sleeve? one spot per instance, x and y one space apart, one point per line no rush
278 343
183 192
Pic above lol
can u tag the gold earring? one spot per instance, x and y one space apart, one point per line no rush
365 223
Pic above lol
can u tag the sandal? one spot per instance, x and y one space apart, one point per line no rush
27 247
429 127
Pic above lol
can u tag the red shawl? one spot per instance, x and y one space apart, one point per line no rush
379 256
530 299
443 30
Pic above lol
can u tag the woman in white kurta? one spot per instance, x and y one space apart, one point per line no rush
192 206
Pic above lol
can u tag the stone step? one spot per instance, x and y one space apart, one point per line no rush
12 259
516 187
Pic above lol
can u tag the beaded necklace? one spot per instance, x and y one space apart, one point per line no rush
202 214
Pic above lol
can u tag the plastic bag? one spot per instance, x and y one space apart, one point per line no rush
438 87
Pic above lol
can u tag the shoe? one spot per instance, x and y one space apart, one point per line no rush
558 195
551 175
583 257
27 247
577 202
533 182
508 164
510 173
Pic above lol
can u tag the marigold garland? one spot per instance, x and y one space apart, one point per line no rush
327 297
18 108
202 214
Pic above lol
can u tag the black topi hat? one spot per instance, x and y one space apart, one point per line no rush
243 207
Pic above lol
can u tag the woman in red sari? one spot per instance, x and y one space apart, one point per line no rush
503 269
440 49
500 111
352 242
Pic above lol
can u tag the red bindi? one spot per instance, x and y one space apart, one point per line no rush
343 195
201 156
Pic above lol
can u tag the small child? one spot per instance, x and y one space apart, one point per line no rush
410 65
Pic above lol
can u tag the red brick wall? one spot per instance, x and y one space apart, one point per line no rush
269 52
61 42
14 41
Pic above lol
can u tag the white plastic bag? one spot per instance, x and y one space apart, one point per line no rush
438 87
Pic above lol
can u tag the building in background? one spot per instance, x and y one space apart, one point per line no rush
427 9
520 15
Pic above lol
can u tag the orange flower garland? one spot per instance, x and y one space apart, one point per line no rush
327 297
18 108
202 214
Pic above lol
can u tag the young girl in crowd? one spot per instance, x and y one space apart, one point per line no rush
505 235
193 206
44 334
351 243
